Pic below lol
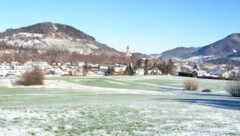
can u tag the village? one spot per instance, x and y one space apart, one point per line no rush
144 66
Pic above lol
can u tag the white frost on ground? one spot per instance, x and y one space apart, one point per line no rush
161 118
150 116
60 84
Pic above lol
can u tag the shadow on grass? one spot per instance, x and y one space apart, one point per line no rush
206 94
226 104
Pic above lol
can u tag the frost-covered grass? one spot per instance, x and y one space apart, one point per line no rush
94 106
157 83
148 119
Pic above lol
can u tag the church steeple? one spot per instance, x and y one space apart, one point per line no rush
128 52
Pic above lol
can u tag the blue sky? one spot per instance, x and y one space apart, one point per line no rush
147 26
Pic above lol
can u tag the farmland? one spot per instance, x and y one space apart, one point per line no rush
118 105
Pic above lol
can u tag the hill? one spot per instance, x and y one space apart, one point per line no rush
179 52
44 36
227 47
140 55
221 48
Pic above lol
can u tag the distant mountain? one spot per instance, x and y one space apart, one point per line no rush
44 36
140 55
179 52
227 47
221 48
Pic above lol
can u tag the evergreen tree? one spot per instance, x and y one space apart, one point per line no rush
111 70
129 70
145 67
139 63
170 66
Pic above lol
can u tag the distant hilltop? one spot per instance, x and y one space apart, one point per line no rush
44 36
227 47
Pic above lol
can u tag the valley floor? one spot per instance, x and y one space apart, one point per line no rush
121 105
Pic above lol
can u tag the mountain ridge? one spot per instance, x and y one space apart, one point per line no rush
178 52
221 48
226 47
54 35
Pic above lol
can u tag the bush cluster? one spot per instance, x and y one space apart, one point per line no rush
191 84
234 88
111 70
34 77
129 70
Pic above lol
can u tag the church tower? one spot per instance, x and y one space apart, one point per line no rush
128 52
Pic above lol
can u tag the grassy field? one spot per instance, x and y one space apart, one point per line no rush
155 105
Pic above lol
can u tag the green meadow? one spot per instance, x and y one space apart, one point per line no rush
118 105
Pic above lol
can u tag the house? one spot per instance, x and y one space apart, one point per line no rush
119 70
235 71
41 65
139 71
104 69
75 70
69 69
227 75
94 67
202 73
6 70
217 72
154 71
81 64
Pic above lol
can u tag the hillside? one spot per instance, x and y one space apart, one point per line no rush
44 36
179 52
221 48
140 55
227 47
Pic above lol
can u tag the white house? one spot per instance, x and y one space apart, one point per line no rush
12 70
120 69
227 74
202 73
42 65
154 71
139 71
217 72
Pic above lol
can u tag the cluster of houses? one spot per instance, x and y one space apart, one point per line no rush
67 69
223 71
82 69
17 69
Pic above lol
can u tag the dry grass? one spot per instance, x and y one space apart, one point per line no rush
234 88
34 77
191 84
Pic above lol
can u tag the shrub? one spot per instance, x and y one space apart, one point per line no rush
34 77
129 70
206 90
191 84
85 70
234 88
111 70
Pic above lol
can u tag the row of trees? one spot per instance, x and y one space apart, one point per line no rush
128 71
57 55
165 67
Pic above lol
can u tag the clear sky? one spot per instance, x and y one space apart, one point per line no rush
147 26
